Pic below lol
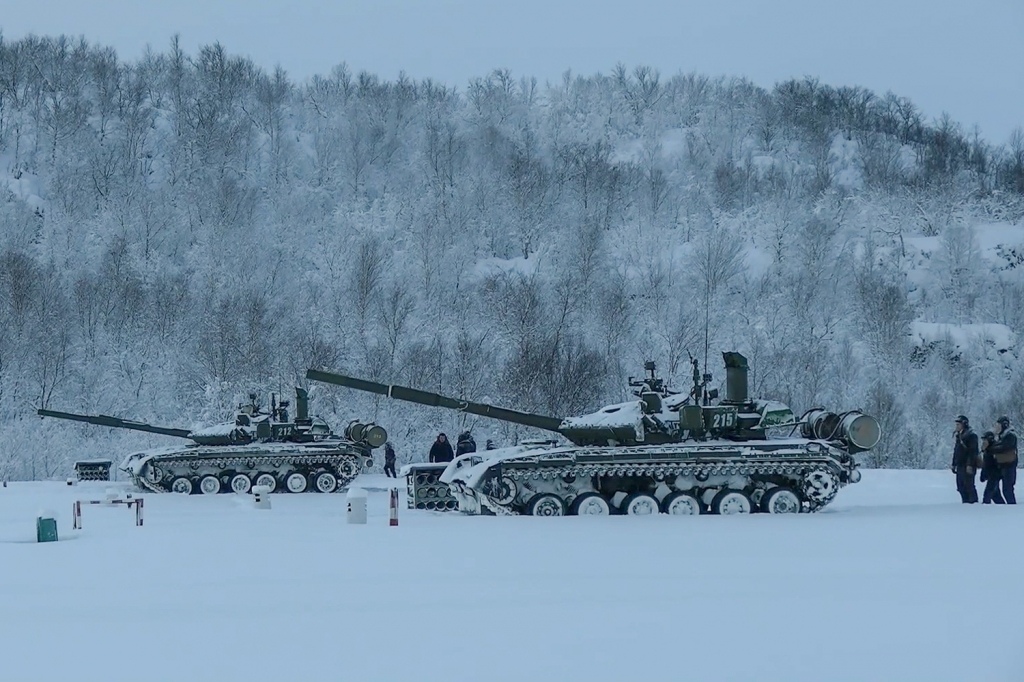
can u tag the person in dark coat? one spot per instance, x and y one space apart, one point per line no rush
465 444
490 445
1004 451
441 450
389 460
990 471
965 460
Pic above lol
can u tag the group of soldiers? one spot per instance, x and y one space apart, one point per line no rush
440 451
995 458
441 448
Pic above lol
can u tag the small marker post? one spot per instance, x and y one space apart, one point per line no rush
394 507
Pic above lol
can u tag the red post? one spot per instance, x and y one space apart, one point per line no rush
394 508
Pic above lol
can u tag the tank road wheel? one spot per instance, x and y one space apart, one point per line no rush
181 485
731 502
241 484
267 480
546 504
780 501
209 485
820 486
296 482
680 504
640 504
325 482
590 504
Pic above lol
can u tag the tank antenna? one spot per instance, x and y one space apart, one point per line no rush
707 326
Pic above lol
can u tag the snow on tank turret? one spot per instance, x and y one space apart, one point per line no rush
664 452
257 448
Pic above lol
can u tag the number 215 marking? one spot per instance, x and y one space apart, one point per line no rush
720 420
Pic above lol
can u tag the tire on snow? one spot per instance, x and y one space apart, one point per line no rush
729 501
296 482
640 504
781 500
591 504
546 504
182 486
241 484
209 485
681 503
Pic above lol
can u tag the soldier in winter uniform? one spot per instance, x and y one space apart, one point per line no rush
389 460
1004 451
465 444
441 450
965 460
989 471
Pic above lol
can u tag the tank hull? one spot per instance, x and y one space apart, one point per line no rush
785 475
323 466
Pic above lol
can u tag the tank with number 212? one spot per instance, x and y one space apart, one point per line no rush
258 448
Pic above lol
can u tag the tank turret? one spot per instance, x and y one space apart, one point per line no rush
251 424
660 415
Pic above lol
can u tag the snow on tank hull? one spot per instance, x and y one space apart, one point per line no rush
789 475
321 466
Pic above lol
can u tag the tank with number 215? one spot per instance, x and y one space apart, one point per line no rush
663 452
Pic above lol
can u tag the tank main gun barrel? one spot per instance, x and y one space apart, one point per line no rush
413 395
114 422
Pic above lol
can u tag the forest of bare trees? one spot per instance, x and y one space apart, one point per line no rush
180 230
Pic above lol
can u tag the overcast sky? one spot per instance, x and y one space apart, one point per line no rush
965 57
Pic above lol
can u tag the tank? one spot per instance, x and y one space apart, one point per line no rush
264 448
666 451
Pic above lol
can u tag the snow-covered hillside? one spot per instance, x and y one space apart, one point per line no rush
178 231
895 581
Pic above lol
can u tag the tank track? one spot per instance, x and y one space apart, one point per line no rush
307 470
805 478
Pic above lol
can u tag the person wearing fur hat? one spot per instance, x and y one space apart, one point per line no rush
1004 451
965 460
990 471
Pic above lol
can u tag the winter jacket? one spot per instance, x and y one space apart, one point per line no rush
965 449
465 444
441 452
389 454
1004 450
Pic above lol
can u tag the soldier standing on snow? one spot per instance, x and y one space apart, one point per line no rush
965 460
989 471
465 444
441 450
1004 451
389 460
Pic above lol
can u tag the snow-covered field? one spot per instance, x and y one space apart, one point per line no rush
895 581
